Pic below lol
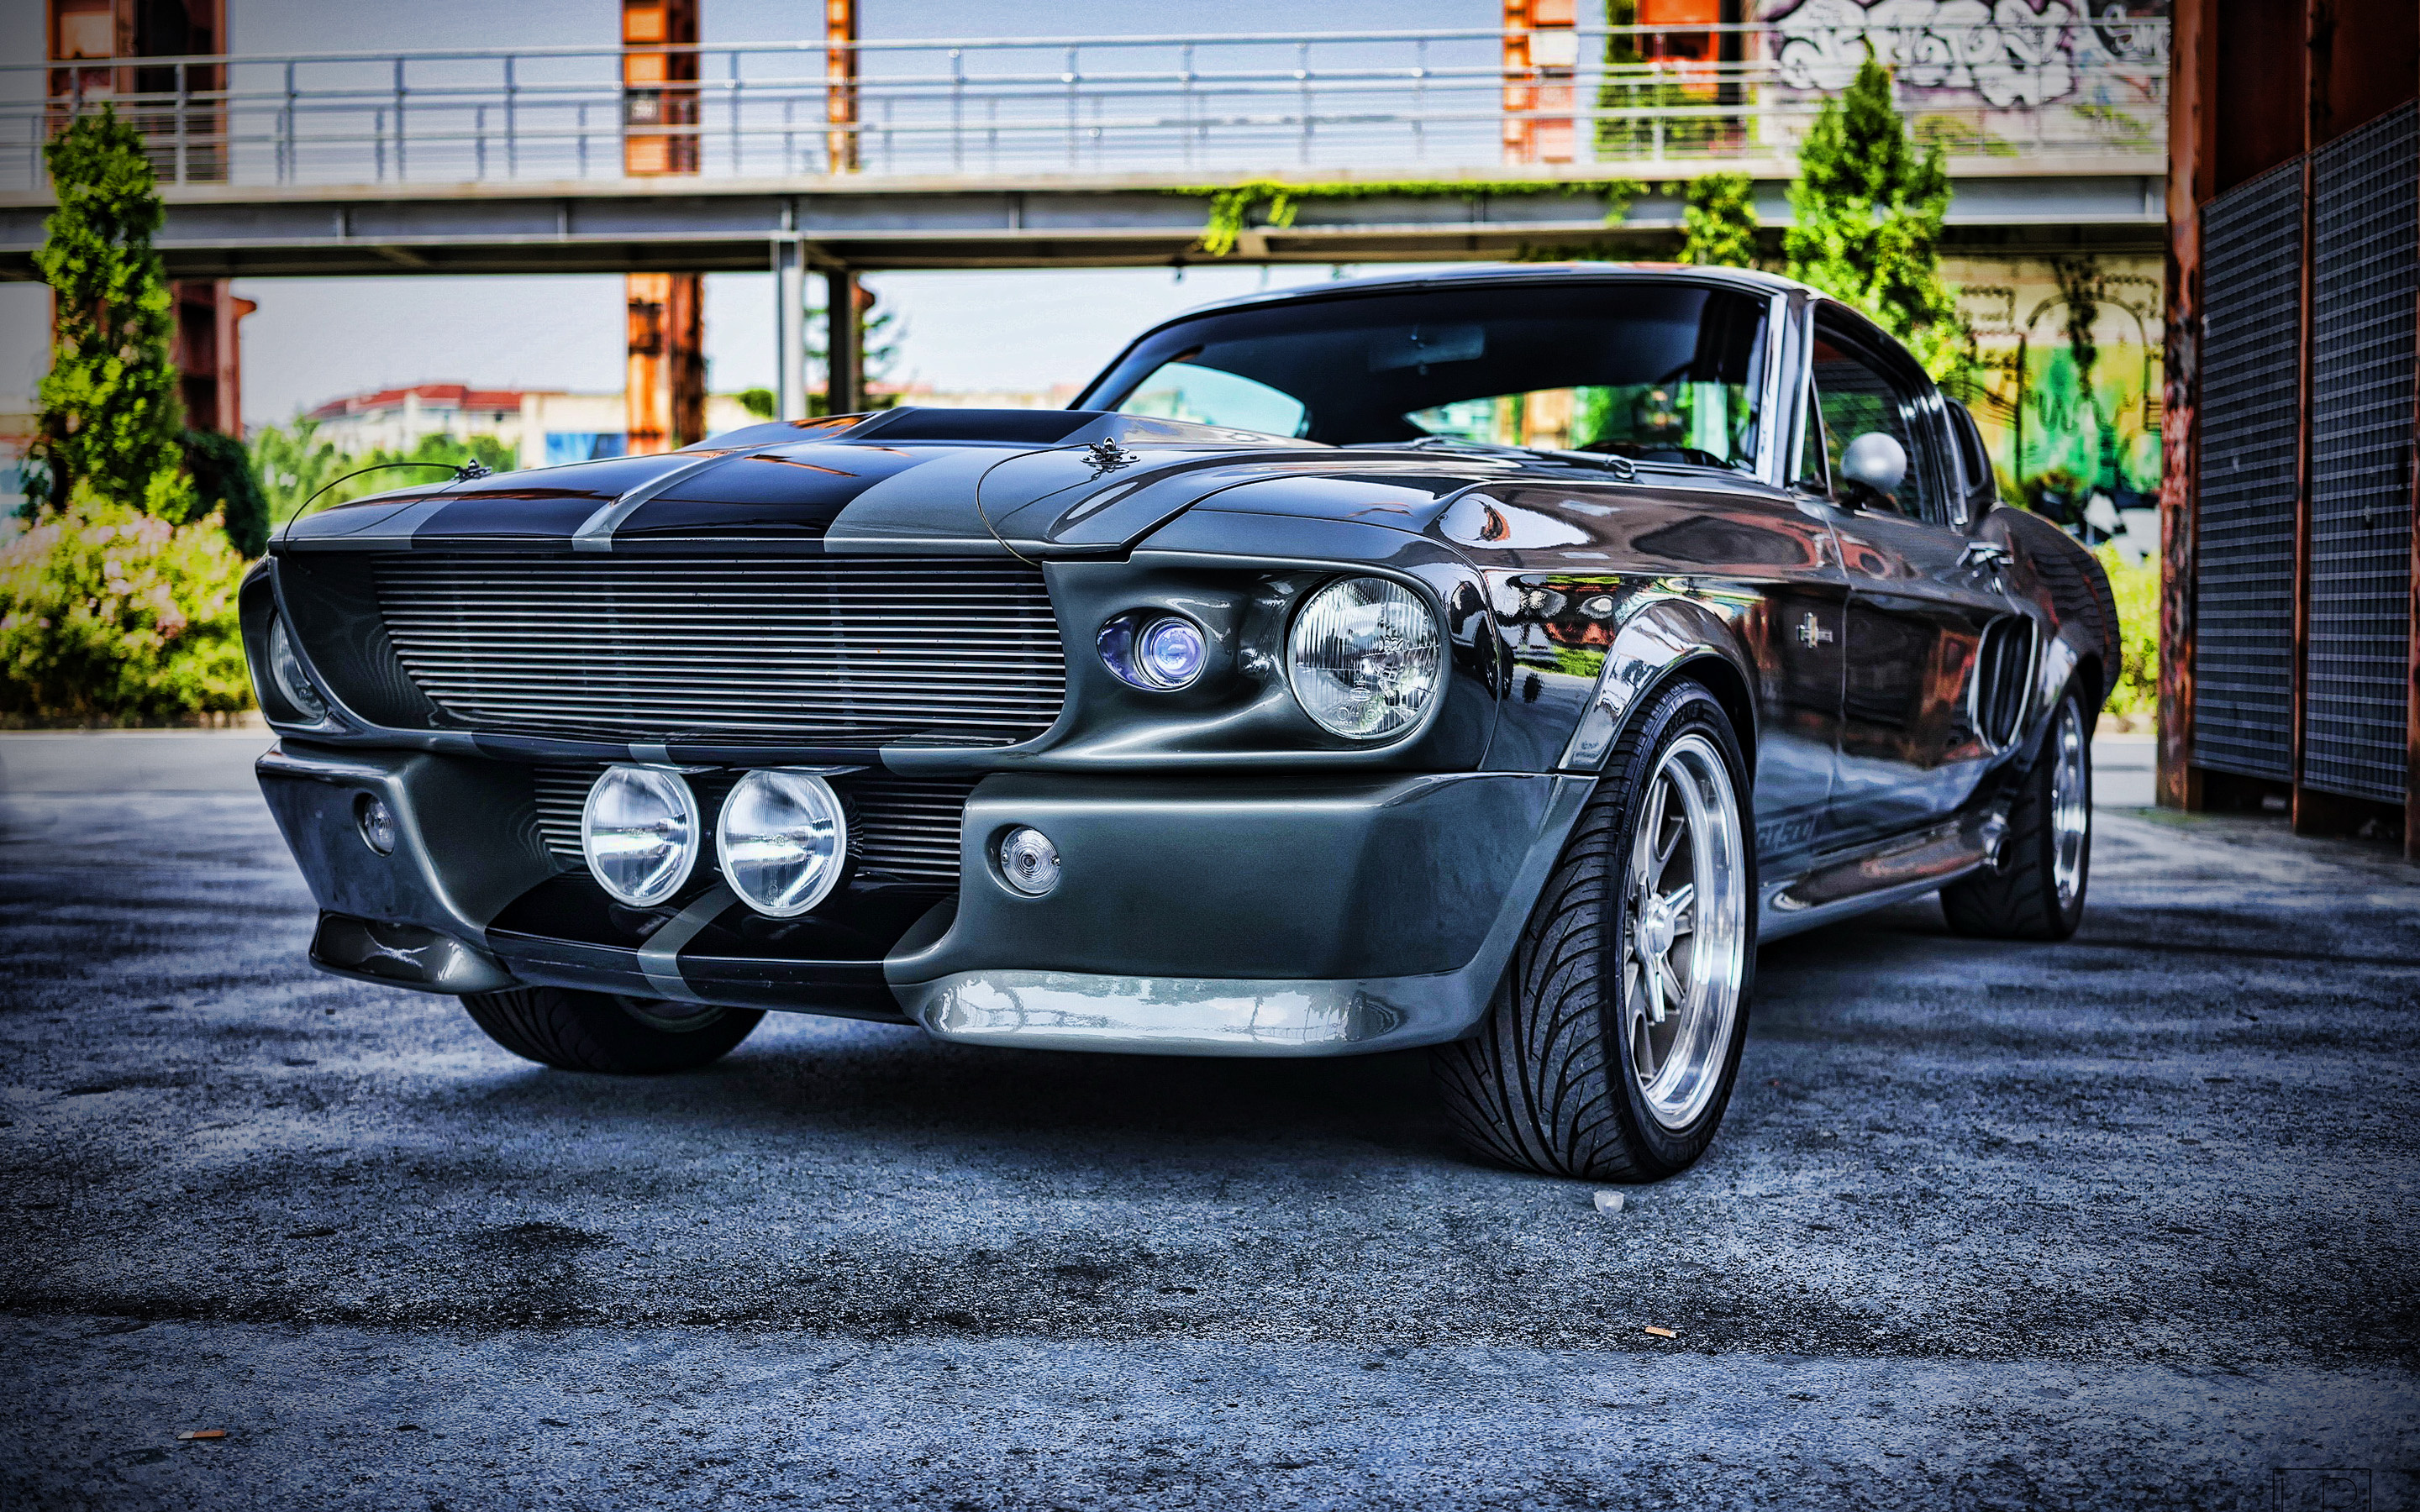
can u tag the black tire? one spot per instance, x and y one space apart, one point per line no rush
599 1032
1549 1082
2021 899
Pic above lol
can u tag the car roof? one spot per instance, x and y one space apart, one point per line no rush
1746 279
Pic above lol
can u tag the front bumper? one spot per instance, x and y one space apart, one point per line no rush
1268 915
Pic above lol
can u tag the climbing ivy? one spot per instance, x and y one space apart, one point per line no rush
1270 204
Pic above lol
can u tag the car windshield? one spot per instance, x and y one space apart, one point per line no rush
1656 372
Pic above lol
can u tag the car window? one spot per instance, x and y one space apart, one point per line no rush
1181 391
1974 462
1660 372
1814 469
1855 397
1705 423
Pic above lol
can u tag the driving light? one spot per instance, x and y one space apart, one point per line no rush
1028 862
1158 655
639 830
377 821
783 840
1365 657
285 670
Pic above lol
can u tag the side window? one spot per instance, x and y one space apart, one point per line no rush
1974 461
1856 396
1814 451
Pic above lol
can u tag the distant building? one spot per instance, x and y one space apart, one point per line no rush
542 427
19 417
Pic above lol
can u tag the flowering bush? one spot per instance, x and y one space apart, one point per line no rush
2134 698
109 616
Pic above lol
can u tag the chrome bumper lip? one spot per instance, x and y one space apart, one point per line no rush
1162 1016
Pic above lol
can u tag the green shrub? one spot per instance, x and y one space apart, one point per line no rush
109 616
2136 695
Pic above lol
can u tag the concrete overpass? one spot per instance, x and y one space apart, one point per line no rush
2101 201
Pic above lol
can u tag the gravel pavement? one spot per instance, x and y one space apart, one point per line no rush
2125 1222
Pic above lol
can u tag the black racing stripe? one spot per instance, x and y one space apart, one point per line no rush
551 517
791 491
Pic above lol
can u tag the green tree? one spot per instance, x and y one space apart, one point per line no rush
1719 222
296 468
111 416
1867 210
225 486
879 332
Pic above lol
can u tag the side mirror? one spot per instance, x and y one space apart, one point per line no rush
1875 461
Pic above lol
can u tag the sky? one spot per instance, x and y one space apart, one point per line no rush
313 340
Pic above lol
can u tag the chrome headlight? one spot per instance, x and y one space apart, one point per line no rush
782 839
1365 657
640 833
286 671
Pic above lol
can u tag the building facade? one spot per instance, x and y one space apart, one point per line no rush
542 427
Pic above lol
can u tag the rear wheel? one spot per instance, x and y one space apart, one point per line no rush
609 1033
1613 1040
2037 892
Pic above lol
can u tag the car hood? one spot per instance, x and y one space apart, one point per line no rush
1045 482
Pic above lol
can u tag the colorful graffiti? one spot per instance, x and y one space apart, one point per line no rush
2070 387
2012 54
1979 74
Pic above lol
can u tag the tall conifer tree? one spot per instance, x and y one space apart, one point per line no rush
1866 209
112 419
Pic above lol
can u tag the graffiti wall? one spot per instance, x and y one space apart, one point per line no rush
2069 391
1996 77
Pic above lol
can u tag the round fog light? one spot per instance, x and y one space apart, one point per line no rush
1028 862
640 833
783 838
1173 652
376 822
1158 654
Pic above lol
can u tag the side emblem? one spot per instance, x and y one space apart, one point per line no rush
1811 631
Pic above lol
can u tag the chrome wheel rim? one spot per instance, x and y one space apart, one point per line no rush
1685 932
2071 805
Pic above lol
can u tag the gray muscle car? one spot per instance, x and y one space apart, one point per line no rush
1484 661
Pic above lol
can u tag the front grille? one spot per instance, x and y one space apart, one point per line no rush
2365 286
905 829
832 650
2243 553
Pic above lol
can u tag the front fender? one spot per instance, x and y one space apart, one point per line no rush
1662 638
1586 651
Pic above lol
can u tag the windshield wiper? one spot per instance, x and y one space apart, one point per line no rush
1621 466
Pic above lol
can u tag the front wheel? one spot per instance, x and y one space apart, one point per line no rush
2037 891
604 1032
1610 1047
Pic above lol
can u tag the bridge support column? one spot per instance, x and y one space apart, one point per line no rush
789 331
844 347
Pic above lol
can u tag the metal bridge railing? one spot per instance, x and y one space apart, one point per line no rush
1374 103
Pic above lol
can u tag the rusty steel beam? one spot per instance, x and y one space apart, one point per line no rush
2191 164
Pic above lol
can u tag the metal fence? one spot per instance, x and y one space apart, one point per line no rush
1382 101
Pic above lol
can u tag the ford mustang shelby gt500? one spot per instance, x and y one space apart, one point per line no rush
1483 661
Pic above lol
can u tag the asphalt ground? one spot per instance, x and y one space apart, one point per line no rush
2124 1222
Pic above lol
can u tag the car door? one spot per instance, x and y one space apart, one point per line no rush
1920 604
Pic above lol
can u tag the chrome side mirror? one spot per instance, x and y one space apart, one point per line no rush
1875 460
